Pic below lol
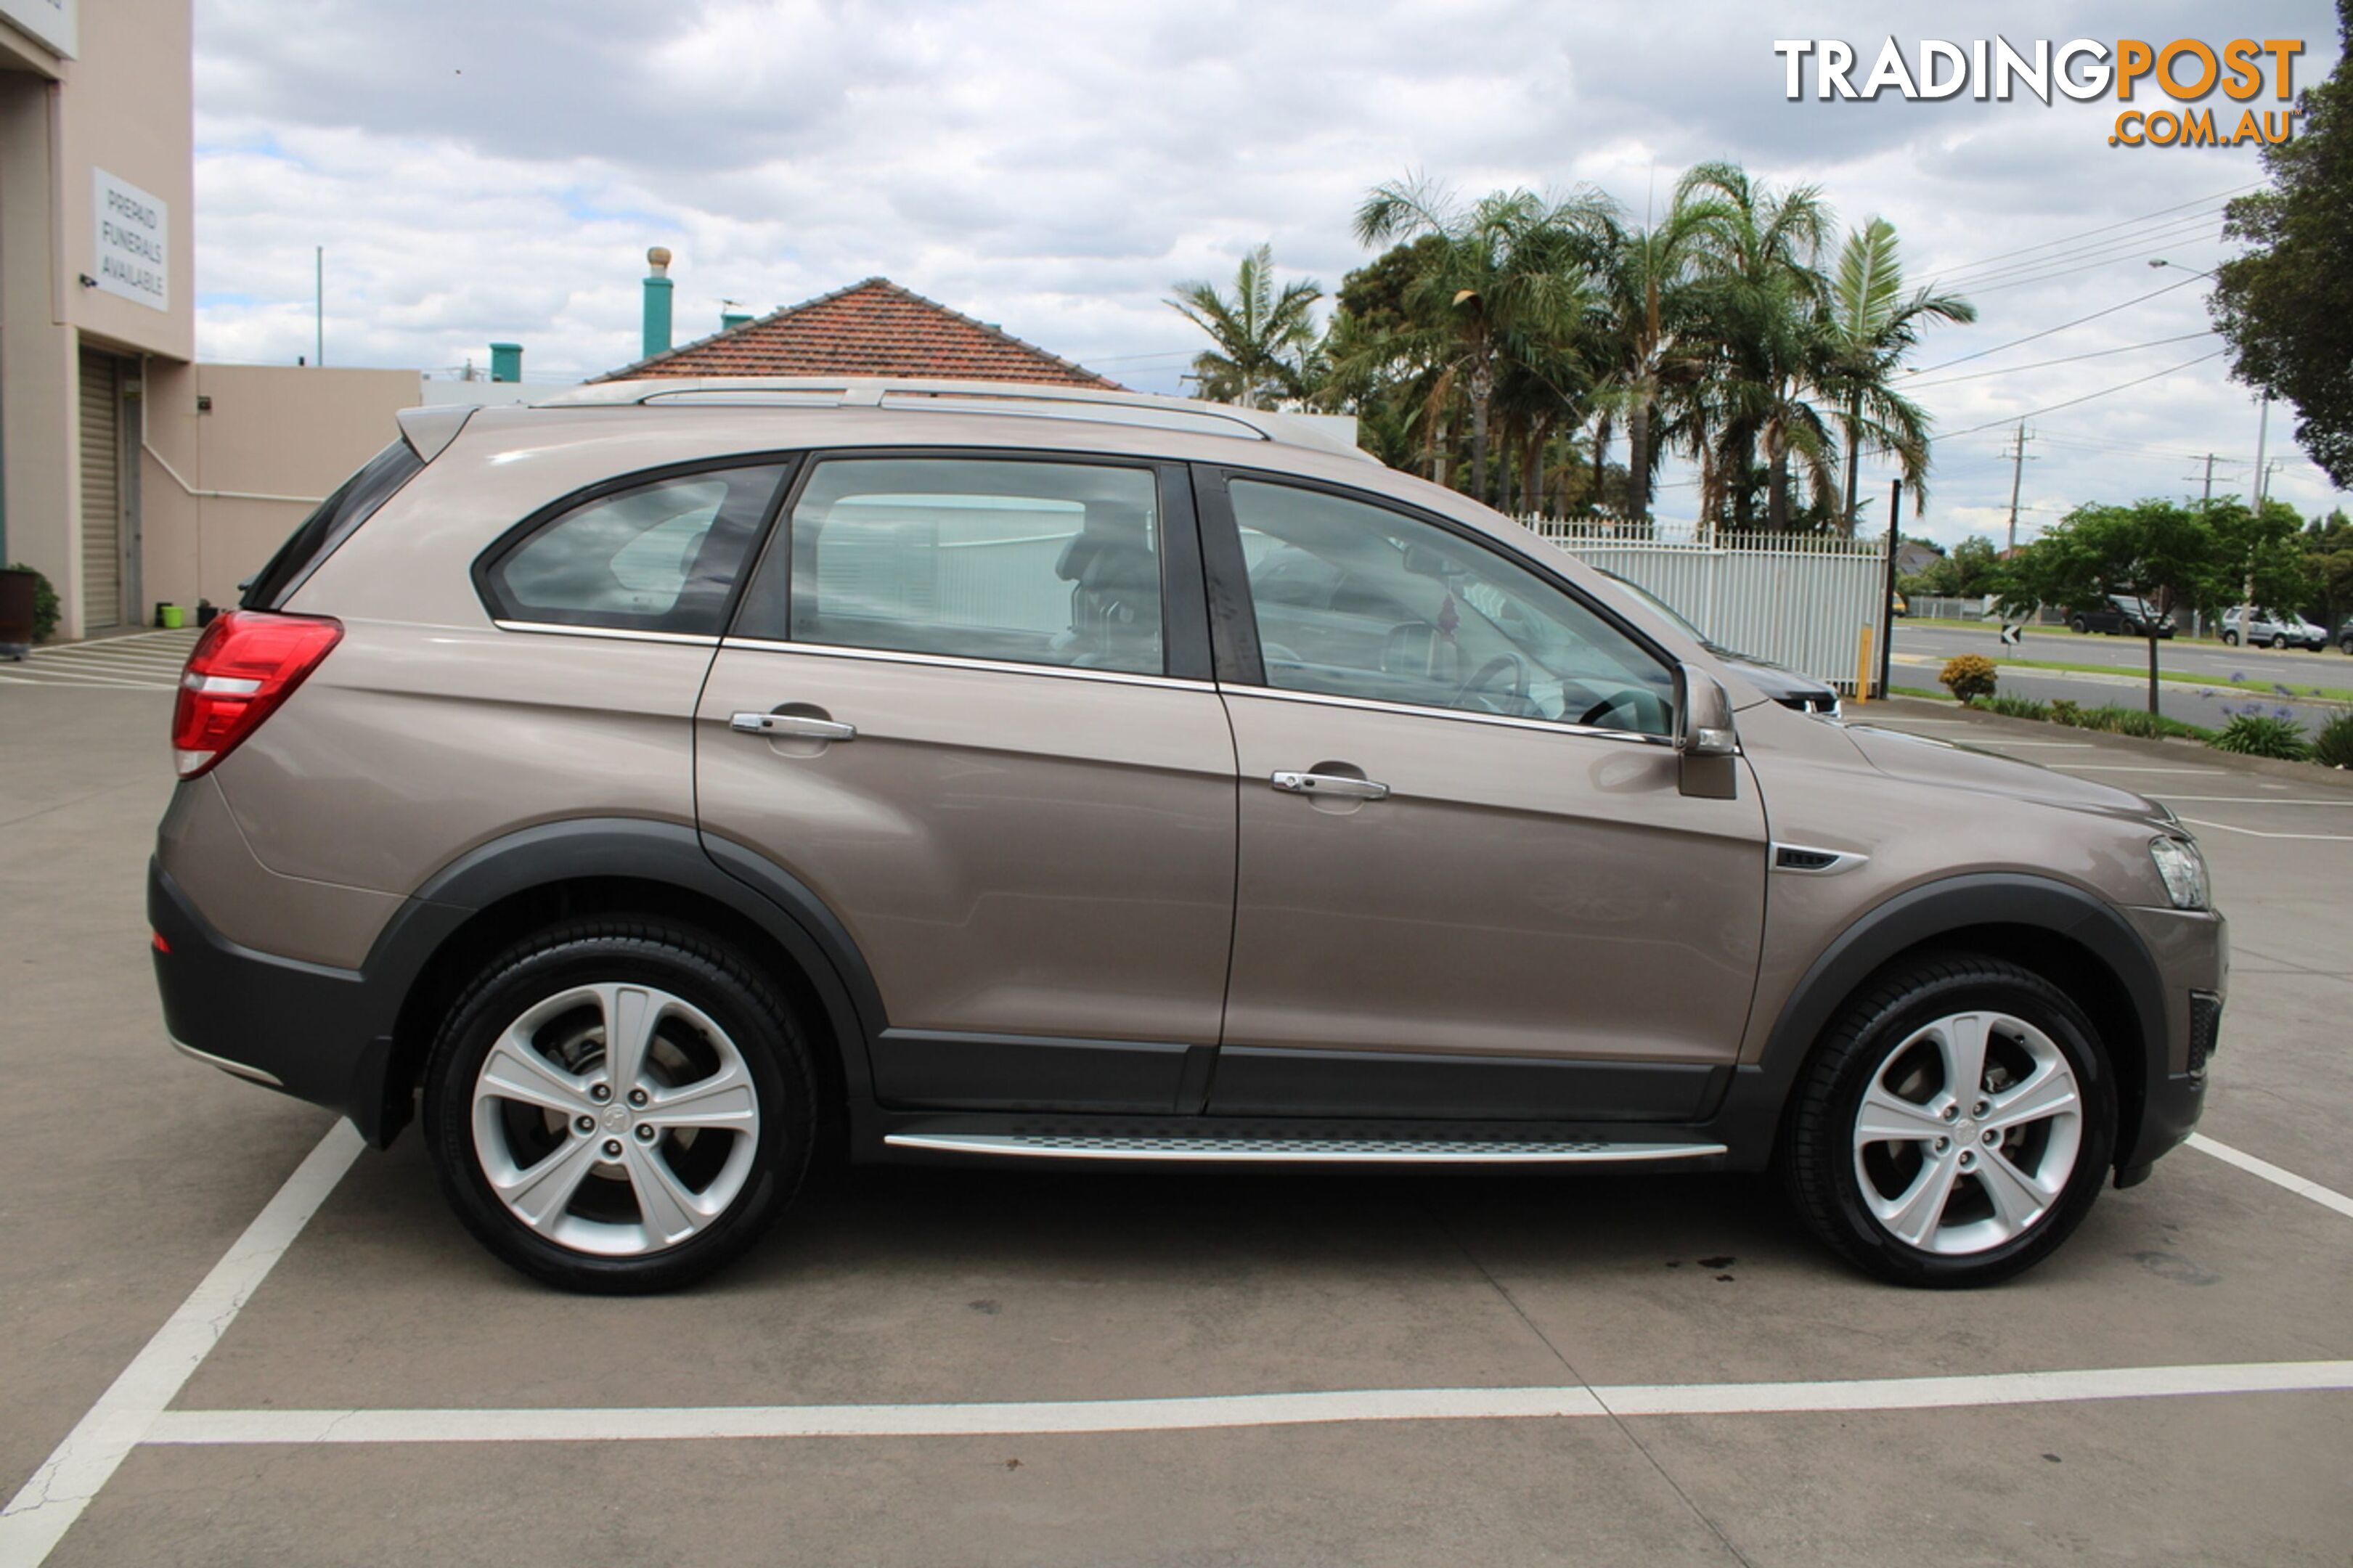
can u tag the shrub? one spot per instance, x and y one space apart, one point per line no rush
45 605
2334 746
2256 735
2066 711
2018 707
1968 677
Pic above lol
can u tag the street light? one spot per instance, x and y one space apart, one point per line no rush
2262 433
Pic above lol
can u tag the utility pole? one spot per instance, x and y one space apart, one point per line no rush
319 305
2263 433
2017 472
1888 598
2209 479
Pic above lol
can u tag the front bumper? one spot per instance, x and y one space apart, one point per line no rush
2192 953
320 1034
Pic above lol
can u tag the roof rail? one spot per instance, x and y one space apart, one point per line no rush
1325 433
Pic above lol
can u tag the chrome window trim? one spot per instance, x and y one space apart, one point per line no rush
1412 709
623 634
955 661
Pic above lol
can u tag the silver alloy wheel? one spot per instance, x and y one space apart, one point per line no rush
615 1119
1967 1133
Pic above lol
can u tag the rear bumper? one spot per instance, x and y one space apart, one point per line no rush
318 1033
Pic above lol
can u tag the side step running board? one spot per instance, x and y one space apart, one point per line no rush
1293 1150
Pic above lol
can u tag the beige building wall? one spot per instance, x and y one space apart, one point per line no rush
239 453
123 104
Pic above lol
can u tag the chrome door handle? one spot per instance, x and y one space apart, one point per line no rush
796 724
1339 785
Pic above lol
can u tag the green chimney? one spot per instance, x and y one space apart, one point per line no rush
731 320
506 362
657 334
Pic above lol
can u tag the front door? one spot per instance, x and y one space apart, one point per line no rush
1469 882
959 706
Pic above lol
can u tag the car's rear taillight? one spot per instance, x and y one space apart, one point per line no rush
246 664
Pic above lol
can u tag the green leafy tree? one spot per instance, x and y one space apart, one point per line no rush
2286 305
2263 555
1263 335
1873 324
2162 550
2328 553
1645 355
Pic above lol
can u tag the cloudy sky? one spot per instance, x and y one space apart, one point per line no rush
480 172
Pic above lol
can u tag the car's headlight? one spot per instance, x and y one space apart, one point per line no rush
2184 870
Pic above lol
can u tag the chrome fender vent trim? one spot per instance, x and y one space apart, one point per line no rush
1814 862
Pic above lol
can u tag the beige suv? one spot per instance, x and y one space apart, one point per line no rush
675 782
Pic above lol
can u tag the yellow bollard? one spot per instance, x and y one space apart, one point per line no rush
1862 667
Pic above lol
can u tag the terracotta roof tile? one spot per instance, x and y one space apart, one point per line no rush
873 328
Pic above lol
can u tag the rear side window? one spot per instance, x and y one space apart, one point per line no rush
337 518
661 556
1028 562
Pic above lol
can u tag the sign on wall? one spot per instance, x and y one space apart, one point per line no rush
50 21
134 242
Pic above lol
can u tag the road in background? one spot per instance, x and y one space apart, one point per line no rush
2287 678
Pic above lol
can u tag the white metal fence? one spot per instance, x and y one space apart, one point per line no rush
1797 599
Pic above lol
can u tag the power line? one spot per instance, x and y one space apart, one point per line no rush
2103 228
2047 363
2132 255
2014 419
2177 230
2030 337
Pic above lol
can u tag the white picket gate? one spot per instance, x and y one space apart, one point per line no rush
1797 599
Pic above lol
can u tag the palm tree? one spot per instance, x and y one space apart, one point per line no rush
1263 337
1505 285
1872 325
1647 358
1760 295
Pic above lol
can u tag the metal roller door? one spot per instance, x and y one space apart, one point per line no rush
101 490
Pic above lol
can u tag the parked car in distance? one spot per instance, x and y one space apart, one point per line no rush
2272 628
2120 613
1790 688
2345 635
1899 604
674 784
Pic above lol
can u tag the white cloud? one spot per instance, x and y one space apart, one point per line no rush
496 172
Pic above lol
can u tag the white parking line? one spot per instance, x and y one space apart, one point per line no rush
2326 1197
2251 799
2258 832
1095 1415
44 1507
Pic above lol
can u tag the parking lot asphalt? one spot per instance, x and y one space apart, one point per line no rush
1518 1369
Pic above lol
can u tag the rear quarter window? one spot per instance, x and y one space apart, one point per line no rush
659 556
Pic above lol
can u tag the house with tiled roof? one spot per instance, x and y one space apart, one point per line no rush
871 328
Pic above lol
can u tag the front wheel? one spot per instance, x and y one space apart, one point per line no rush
1954 1126
2078 625
618 1105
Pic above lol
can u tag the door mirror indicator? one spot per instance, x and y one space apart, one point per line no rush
1706 736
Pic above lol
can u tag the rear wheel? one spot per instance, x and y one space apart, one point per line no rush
1954 1126
2230 639
618 1105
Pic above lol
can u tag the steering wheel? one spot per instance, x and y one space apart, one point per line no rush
1592 715
1499 665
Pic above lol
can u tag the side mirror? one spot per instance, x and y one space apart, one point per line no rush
1705 738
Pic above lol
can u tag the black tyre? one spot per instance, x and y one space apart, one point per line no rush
619 1106
2230 639
1955 1125
2078 625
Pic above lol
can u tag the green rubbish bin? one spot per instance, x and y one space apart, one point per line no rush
169 617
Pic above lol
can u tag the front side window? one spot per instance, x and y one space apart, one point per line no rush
662 556
1031 562
1354 600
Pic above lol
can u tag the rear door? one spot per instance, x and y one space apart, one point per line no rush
966 701
1469 883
